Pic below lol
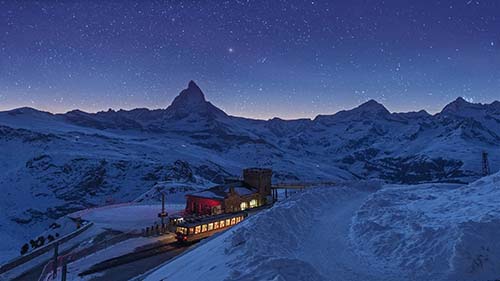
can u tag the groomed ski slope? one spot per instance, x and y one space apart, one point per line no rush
359 232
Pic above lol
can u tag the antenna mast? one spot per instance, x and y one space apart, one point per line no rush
486 165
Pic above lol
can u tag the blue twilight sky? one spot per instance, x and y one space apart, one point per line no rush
251 58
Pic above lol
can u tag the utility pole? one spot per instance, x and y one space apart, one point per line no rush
54 262
163 213
486 165
162 208
64 271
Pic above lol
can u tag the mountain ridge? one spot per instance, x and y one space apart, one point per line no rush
353 132
193 97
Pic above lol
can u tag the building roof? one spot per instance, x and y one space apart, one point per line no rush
220 192
259 170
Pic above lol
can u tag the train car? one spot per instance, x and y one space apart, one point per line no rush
191 230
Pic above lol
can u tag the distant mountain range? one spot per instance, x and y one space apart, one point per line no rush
53 164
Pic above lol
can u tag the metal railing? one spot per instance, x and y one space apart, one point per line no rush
300 185
42 250
74 256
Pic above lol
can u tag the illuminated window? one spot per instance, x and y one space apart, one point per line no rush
233 221
210 226
191 230
228 222
216 225
253 203
243 206
222 224
204 228
197 229
182 230
238 219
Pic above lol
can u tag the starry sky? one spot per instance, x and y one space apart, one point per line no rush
256 59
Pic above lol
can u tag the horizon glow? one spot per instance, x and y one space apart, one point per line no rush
256 59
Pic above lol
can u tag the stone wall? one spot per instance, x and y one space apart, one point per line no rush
259 179
233 202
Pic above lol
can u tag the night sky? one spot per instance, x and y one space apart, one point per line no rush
256 59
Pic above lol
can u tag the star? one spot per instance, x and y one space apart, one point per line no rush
310 48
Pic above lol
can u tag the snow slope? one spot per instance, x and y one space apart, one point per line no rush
359 232
434 232
279 243
126 217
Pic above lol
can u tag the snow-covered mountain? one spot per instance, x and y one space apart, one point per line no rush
53 164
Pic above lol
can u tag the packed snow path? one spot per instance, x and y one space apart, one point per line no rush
330 251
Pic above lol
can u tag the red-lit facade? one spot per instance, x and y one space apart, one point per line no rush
202 206
253 191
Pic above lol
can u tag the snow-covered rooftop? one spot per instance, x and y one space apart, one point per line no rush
220 192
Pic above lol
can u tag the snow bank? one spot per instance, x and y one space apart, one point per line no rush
126 217
434 232
267 246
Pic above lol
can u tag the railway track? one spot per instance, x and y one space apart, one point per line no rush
132 257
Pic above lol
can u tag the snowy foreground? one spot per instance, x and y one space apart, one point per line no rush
362 232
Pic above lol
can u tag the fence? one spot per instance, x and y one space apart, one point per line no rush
42 250
74 256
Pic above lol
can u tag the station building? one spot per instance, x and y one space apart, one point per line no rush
252 191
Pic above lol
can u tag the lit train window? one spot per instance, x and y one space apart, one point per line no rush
197 229
238 219
204 228
216 225
233 221
191 230
228 222
210 226
222 223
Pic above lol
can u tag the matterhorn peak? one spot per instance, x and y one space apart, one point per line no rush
190 96
193 88
192 101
